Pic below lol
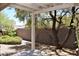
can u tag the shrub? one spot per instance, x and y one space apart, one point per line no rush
10 40
12 33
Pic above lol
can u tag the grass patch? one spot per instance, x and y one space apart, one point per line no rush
10 40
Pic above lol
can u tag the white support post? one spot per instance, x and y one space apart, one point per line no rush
33 32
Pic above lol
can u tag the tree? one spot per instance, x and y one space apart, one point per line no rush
21 14
6 23
55 30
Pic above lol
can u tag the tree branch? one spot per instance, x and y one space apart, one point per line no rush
50 12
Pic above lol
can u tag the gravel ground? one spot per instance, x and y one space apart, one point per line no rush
6 50
41 50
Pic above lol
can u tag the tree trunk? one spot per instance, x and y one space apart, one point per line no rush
54 31
71 26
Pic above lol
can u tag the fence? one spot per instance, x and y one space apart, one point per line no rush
43 36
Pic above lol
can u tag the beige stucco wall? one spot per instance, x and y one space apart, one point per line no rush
42 36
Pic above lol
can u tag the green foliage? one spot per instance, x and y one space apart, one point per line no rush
6 23
28 23
44 20
10 40
21 14
12 33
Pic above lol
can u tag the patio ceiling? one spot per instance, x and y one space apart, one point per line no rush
3 5
42 7
38 7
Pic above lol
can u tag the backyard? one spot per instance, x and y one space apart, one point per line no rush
56 32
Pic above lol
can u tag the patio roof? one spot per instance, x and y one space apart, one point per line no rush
3 5
42 7
37 8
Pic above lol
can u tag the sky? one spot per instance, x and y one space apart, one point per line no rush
10 12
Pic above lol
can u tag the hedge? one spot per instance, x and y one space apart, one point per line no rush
10 40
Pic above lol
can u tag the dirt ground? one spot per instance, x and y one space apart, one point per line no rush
8 50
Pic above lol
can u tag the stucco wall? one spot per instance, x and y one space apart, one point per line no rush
42 36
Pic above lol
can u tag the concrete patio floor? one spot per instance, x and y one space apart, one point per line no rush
30 53
24 49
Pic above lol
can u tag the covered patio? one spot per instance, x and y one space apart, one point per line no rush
35 9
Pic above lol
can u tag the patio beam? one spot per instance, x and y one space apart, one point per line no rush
33 32
29 5
15 5
3 5
62 6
